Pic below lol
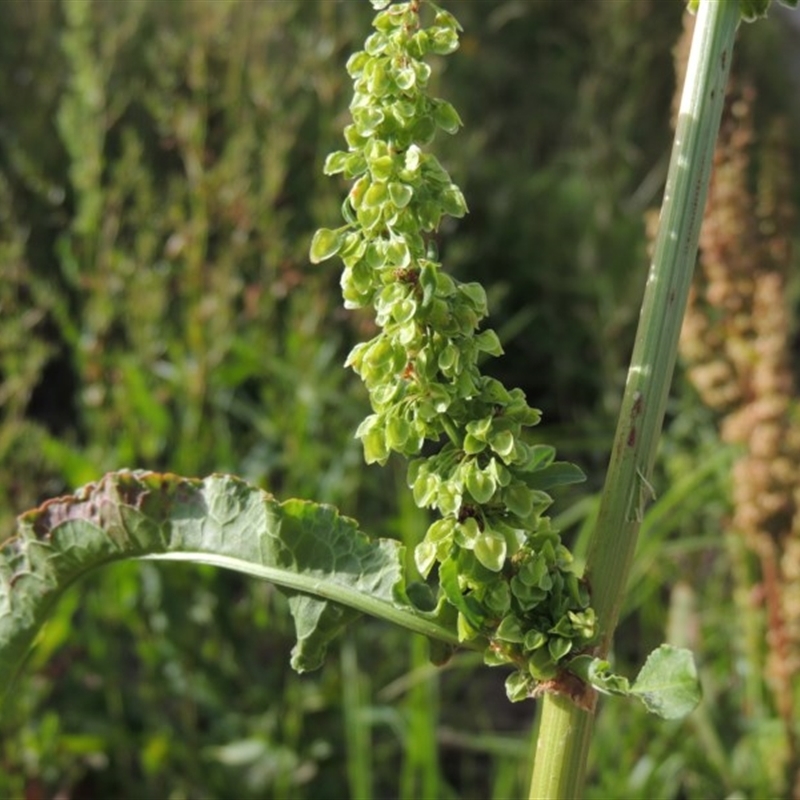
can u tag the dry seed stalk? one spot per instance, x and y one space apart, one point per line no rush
736 345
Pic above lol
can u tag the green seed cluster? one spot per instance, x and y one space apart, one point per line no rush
499 563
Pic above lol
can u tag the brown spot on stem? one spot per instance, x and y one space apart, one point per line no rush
569 685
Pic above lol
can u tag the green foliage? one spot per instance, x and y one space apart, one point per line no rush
155 681
318 558
500 564
180 295
667 684
157 338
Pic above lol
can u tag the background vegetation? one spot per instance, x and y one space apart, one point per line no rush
160 178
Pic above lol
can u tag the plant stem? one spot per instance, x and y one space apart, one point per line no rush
561 749
627 487
404 616
566 730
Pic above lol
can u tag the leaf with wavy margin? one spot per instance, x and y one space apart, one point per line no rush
330 571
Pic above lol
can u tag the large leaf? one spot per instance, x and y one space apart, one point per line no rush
330 570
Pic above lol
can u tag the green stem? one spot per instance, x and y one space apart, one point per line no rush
561 749
560 761
327 590
627 488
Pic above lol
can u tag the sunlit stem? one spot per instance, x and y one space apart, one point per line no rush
560 757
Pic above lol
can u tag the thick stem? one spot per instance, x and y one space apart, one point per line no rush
627 488
561 749
560 760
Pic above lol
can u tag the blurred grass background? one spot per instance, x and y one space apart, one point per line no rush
160 178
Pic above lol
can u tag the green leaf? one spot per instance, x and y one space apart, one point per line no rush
541 456
367 120
668 683
559 473
329 569
404 310
355 165
597 672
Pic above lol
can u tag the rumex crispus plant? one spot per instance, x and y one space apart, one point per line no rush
505 582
